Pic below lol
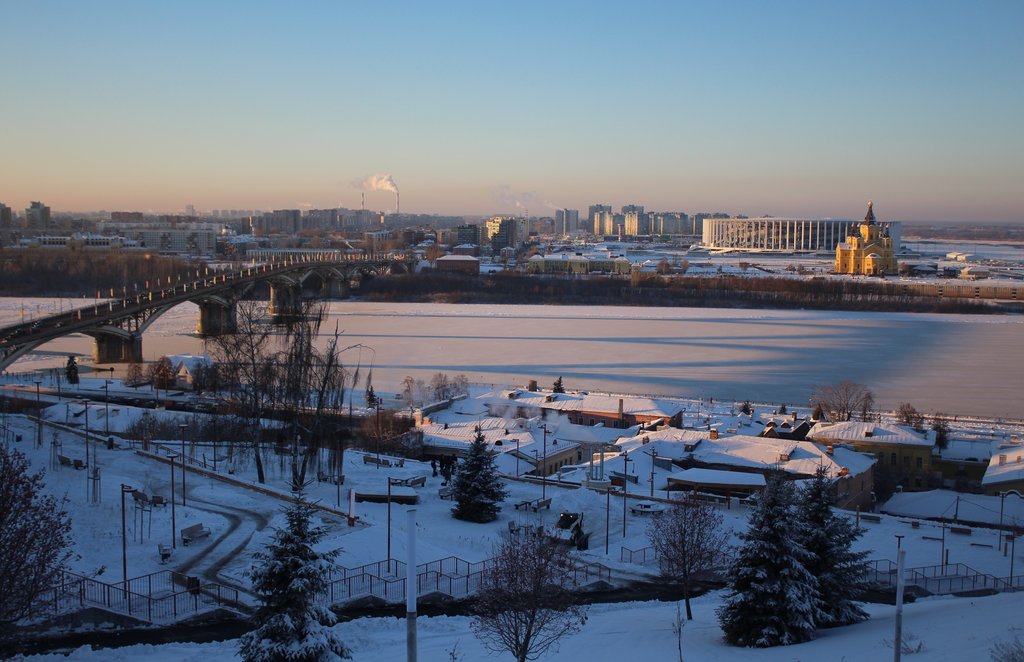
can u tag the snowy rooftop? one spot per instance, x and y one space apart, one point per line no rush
875 433
719 477
1005 466
631 405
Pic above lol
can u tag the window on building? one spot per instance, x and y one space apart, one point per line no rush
920 463
892 459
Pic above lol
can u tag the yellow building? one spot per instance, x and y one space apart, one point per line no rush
869 253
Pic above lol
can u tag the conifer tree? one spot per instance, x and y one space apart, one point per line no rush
477 485
557 387
773 599
289 579
828 537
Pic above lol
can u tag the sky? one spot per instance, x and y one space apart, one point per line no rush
785 108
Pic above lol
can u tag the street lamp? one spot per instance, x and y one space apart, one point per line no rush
625 487
124 542
183 427
106 407
174 521
544 475
899 542
39 417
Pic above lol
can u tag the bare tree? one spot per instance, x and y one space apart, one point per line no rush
525 604
908 415
689 541
841 401
34 536
246 360
161 373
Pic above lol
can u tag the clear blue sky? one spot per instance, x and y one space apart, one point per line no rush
802 108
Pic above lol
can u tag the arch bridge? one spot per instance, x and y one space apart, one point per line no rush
117 324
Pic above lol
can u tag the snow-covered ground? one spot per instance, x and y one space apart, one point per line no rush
946 629
241 521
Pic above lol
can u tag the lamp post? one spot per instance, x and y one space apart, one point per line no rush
391 481
376 403
174 520
124 541
517 457
39 417
607 518
625 488
544 484
899 542
183 427
106 407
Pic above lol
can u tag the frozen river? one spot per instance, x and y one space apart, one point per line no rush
952 363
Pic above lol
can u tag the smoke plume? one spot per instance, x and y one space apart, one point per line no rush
379 182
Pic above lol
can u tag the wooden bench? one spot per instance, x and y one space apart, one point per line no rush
158 500
64 460
960 530
447 492
523 504
369 459
418 481
194 532
541 503
871 518
78 464
165 552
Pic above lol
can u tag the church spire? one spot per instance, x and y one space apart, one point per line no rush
869 218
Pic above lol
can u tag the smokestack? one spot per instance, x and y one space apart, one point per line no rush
362 198
398 202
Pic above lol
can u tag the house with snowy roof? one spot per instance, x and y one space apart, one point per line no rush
904 455
522 446
187 367
1005 471
611 411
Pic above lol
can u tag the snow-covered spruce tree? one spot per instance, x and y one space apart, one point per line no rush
477 485
288 579
773 599
840 571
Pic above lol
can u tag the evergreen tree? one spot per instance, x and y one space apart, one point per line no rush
840 570
557 387
773 598
477 485
289 580
371 397
71 370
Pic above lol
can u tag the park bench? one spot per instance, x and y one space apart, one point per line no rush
158 500
447 492
194 532
64 460
165 552
418 481
871 518
78 464
541 503
369 459
523 504
960 530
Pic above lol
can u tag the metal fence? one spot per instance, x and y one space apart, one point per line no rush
159 597
941 579
642 556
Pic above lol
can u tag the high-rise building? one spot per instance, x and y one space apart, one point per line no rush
567 221
639 209
466 234
37 216
501 231
592 213
6 217
321 218
604 223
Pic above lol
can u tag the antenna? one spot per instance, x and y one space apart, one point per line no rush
362 197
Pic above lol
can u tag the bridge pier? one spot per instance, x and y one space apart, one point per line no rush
216 319
336 288
285 300
111 348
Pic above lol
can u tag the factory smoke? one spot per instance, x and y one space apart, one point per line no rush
380 182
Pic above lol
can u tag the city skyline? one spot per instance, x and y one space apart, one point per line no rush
792 109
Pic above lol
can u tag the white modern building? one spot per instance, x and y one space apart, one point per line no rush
785 234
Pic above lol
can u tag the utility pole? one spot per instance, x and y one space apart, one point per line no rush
897 643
